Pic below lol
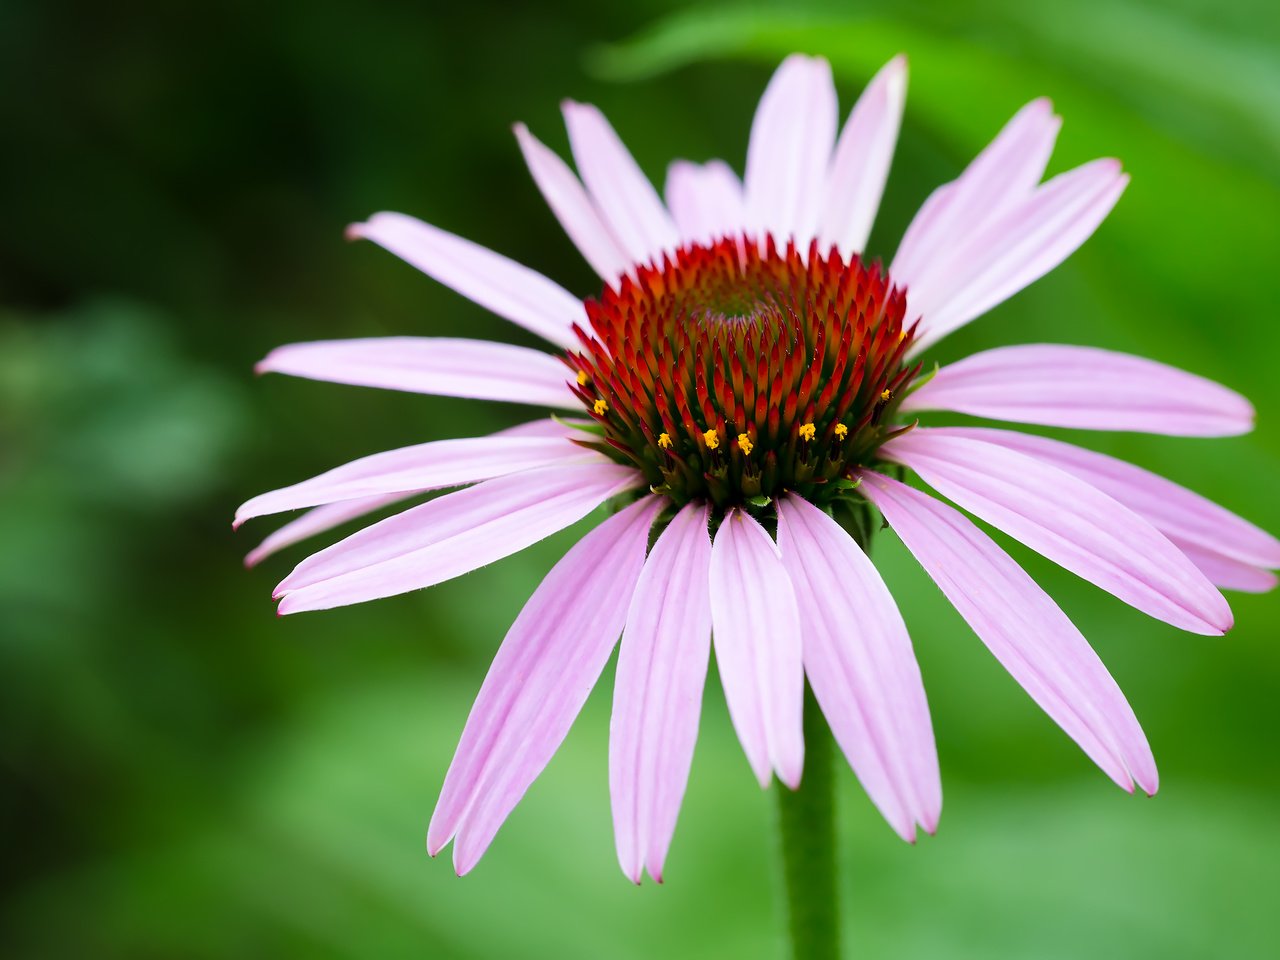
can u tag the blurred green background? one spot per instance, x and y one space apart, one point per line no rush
185 775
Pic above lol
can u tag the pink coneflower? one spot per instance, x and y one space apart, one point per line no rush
746 389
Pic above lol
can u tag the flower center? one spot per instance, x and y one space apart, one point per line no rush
734 374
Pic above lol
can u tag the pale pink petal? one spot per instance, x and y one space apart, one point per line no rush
1184 517
705 201
1070 522
326 517
447 367
539 680
757 638
1022 627
657 696
1227 572
317 521
423 466
451 535
1011 251
1002 175
860 664
509 289
1065 386
860 165
792 137
624 196
573 208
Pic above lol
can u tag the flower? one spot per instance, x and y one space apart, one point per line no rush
746 389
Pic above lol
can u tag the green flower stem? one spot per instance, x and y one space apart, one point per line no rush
807 824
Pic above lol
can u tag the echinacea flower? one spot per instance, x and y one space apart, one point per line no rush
746 390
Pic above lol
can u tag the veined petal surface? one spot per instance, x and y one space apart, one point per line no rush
444 366
657 696
451 535
509 289
551 658
756 625
1068 521
859 661
1022 627
1056 385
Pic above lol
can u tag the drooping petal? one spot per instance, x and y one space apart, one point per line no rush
619 189
317 521
705 200
509 289
568 200
331 515
657 696
451 535
1070 522
539 680
860 664
1184 517
1227 572
1022 627
1013 250
444 366
756 626
1002 175
792 137
1065 386
423 466
860 165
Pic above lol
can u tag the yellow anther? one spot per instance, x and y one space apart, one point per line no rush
601 408
712 439
664 441
885 394
808 431
902 335
582 378
744 443
841 431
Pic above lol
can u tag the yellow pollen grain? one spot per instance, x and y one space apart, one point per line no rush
841 431
712 439
601 408
582 378
885 394
664 441
808 431
744 443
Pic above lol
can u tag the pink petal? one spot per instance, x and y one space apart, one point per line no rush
444 366
705 201
657 696
509 289
860 165
860 664
624 196
757 638
316 521
573 208
1004 174
1022 627
326 517
1181 515
1013 250
423 466
1069 522
451 535
538 682
792 137
1227 572
1065 386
